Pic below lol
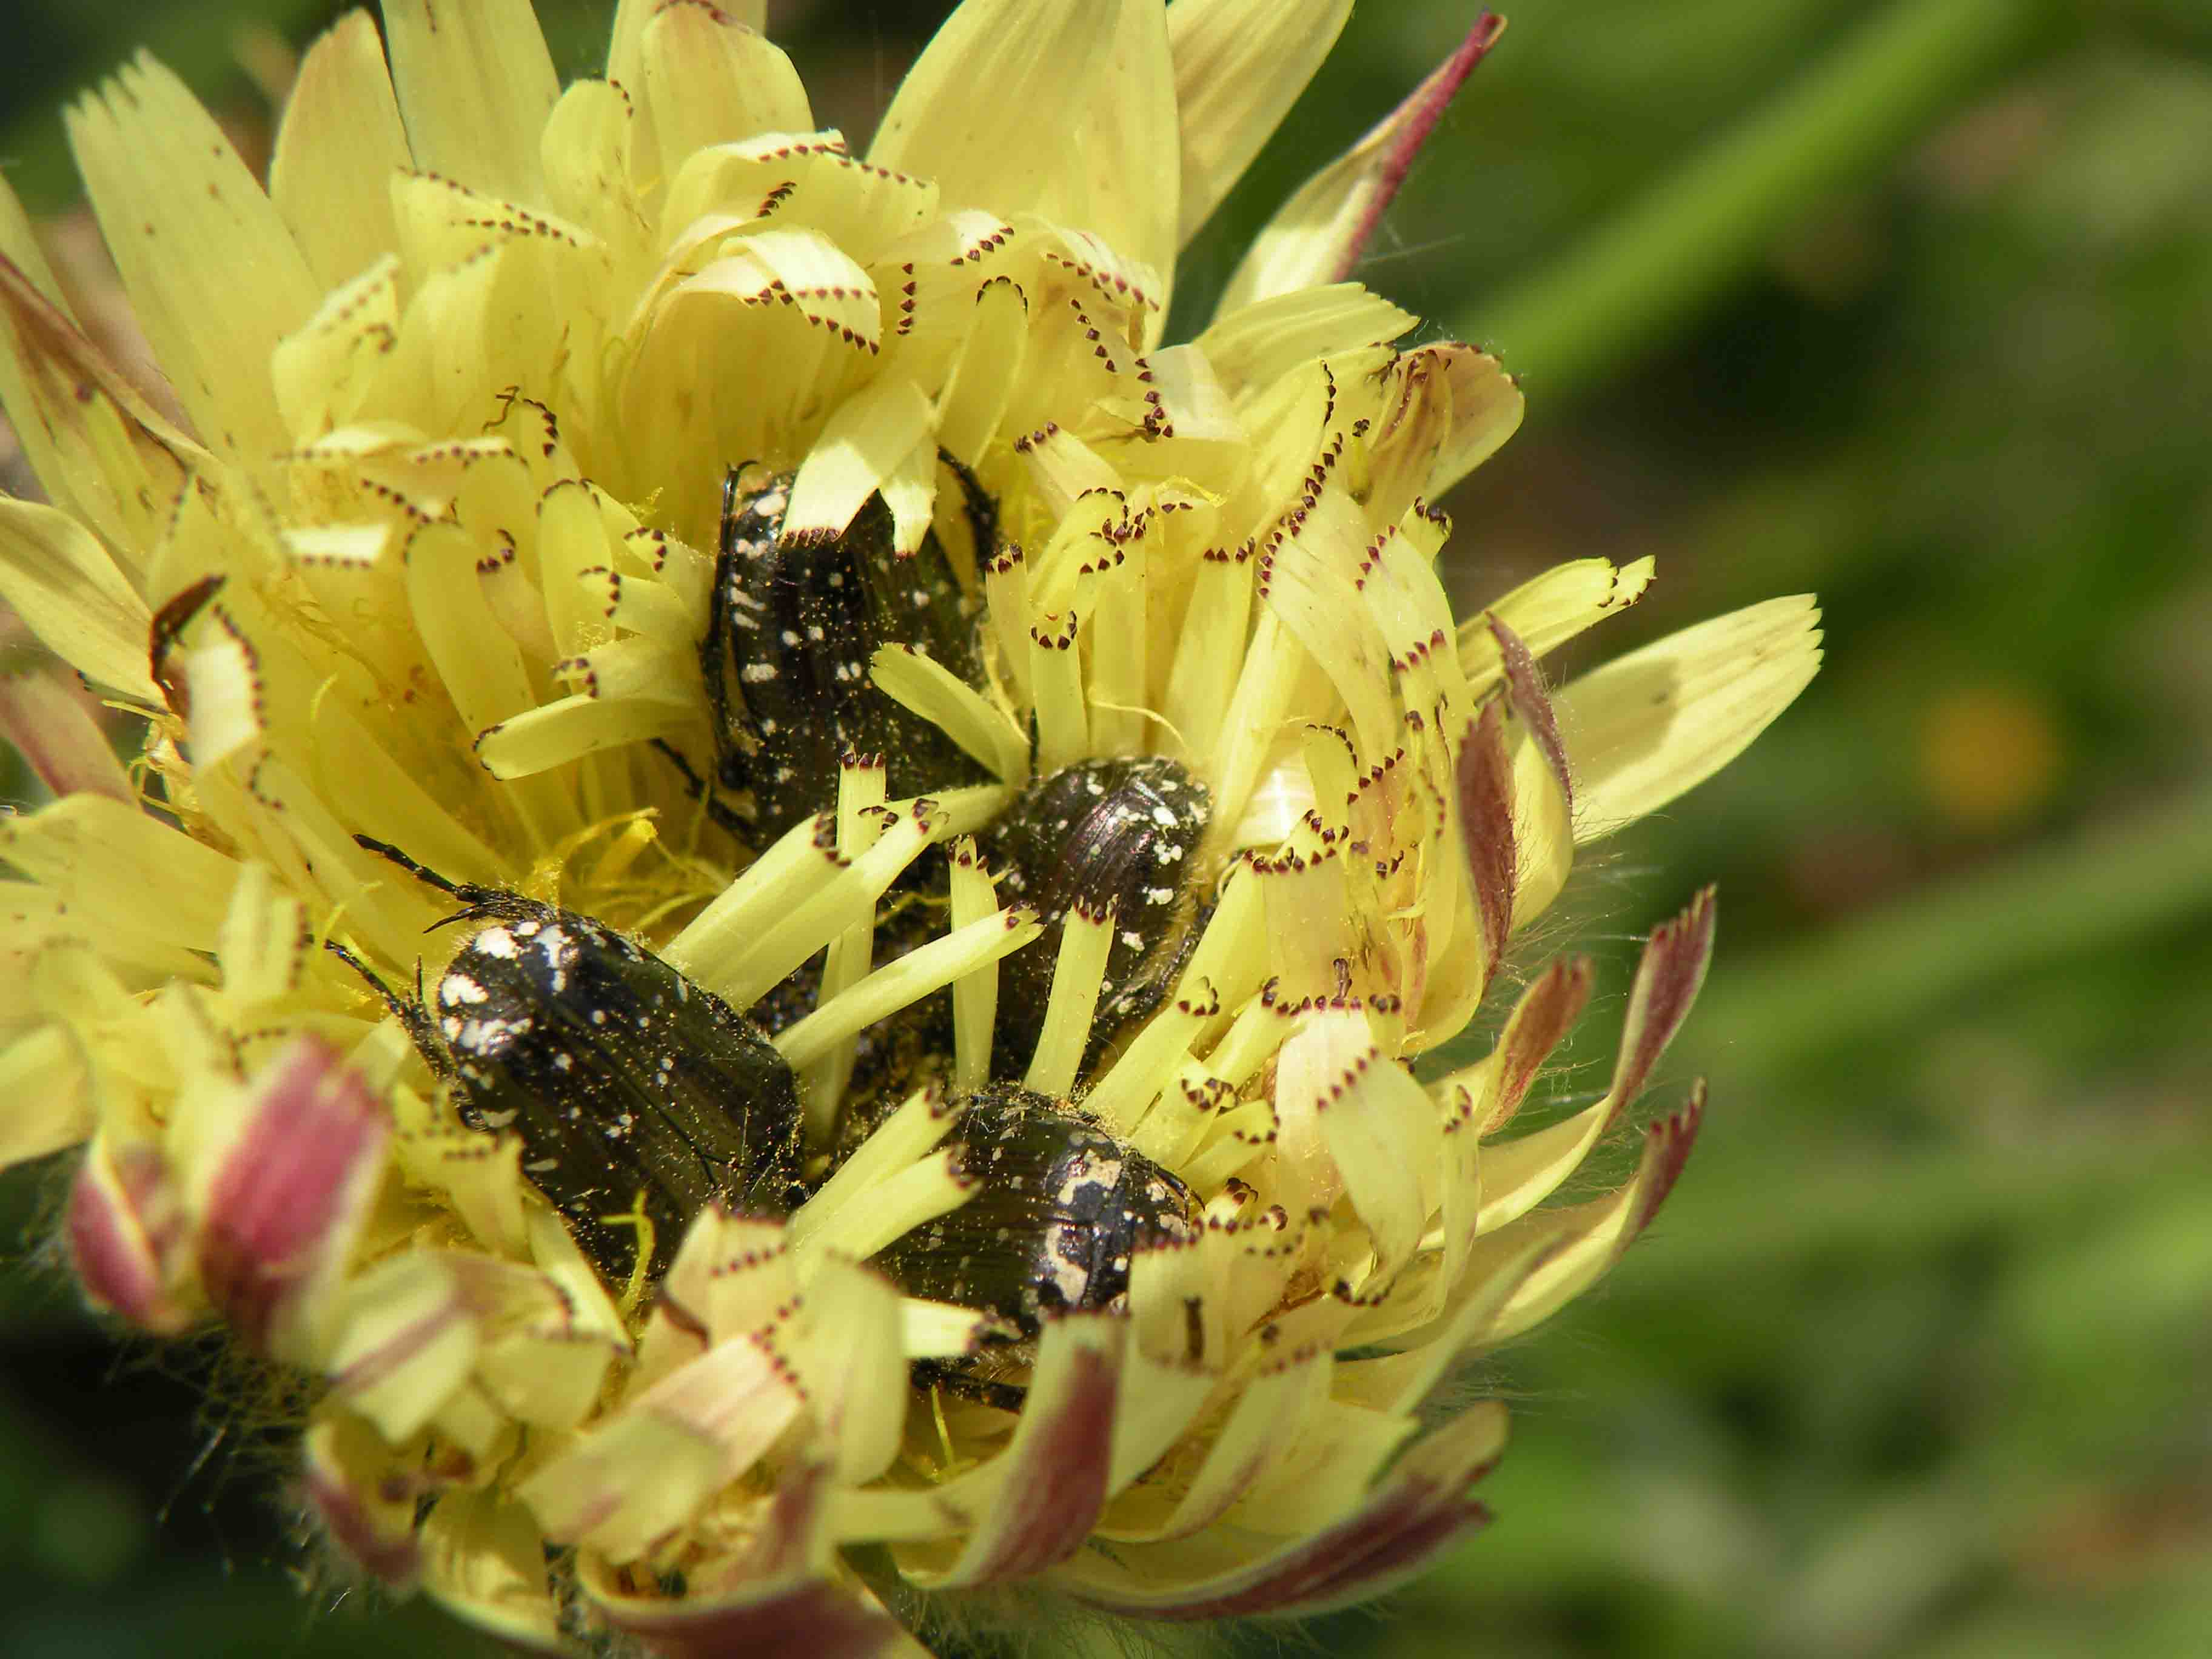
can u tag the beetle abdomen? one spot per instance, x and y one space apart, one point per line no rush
629 1086
791 628
1060 1209
1121 833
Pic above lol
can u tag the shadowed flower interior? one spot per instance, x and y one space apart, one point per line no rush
886 839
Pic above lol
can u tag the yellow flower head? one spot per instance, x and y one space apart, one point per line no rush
785 874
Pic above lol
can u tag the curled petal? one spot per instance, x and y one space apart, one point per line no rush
818 1617
1532 706
1590 1238
780 1593
287 1200
1486 829
42 1073
406 1344
51 727
1668 980
126 1225
364 1495
709 81
645 1473
58 575
1415 1510
1051 1483
95 442
483 1560
1448 408
1518 1175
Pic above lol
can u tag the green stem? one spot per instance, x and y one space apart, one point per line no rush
1655 263
2105 888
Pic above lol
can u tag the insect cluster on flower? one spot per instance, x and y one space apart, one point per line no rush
640 1098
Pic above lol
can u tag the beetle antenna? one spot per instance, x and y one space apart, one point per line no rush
428 877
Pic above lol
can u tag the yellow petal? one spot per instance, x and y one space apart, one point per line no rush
1394 1528
781 1591
1252 1441
363 1494
483 1560
633 17
1335 1454
743 974
1046 1489
1548 610
323 372
99 447
1318 233
708 81
852 1348
1311 582
1064 108
648 1470
1255 346
898 984
543 738
1383 1133
1239 66
406 1342
475 85
50 1107
1078 974
211 270
912 1198
1399 1381
1448 408
1589 1237
336 150
860 448
1486 410
120 869
920 1122
1522 1173
19 245
1661 721
984 375
979 726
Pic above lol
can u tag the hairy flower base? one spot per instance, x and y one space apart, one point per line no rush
417 612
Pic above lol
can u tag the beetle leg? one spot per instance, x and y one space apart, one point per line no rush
725 817
414 1016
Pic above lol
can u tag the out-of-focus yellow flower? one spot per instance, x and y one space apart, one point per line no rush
433 564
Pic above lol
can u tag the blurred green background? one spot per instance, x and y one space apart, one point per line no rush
1908 304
